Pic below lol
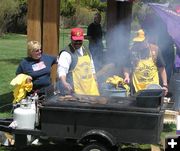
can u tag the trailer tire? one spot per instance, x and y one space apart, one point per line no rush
95 147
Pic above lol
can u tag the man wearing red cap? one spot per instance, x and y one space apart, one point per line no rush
76 68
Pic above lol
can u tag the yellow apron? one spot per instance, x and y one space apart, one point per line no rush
145 73
83 78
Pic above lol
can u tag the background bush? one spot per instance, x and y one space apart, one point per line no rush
79 12
13 14
8 8
82 17
18 22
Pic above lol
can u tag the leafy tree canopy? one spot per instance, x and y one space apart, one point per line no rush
69 7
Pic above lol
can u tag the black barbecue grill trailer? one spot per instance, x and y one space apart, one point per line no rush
96 126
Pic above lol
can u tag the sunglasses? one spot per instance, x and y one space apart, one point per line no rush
37 50
77 42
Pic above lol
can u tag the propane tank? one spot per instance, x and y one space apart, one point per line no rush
25 115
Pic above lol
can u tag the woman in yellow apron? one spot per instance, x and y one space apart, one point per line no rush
147 64
145 71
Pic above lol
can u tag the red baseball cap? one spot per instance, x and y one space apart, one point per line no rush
77 34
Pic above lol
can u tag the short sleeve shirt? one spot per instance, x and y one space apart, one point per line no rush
39 70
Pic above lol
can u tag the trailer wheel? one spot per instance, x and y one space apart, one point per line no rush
95 147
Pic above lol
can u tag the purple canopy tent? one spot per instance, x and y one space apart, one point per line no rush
171 18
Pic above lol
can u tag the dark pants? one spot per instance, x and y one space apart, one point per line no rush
175 84
97 55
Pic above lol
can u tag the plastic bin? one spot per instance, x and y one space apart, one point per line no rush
115 92
150 98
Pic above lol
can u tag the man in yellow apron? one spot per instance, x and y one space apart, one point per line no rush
147 64
75 67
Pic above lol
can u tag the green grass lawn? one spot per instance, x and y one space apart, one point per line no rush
12 50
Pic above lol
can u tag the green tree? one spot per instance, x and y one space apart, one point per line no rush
141 9
94 4
18 21
67 8
7 9
79 12
22 1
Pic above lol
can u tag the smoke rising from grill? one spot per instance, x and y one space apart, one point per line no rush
118 38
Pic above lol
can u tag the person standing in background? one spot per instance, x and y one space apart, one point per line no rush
95 35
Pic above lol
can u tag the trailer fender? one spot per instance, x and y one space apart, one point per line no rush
98 135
